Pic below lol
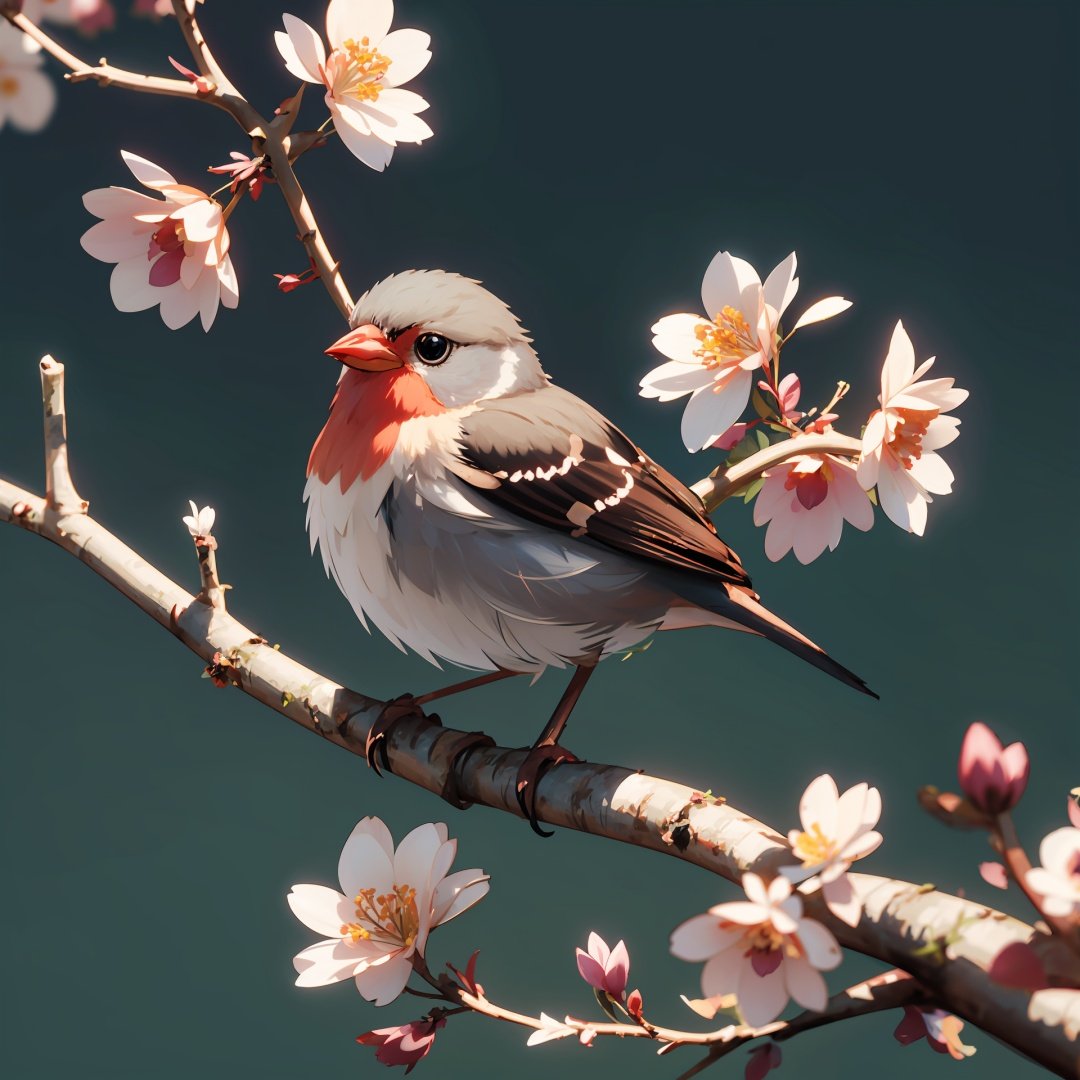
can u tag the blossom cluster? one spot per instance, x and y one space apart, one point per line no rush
728 359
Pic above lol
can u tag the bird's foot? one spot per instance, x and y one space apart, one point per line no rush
540 758
394 711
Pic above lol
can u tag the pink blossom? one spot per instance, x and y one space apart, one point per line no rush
391 900
901 438
836 831
89 16
734 435
202 83
363 75
154 9
27 95
405 1044
940 1029
604 969
170 252
993 779
805 502
761 949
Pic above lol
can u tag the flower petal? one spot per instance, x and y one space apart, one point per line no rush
384 982
699 938
321 909
409 53
805 984
727 281
821 310
146 172
709 413
363 864
781 285
358 19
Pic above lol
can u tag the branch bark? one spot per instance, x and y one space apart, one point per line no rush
915 928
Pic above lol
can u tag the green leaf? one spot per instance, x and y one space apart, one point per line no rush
753 489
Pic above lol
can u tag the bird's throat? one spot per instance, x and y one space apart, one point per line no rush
365 419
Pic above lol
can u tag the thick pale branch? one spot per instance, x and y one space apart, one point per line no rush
907 926
722 483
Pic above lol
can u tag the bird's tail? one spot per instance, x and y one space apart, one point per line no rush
748 612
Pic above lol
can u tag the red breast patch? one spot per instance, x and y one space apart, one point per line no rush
365 417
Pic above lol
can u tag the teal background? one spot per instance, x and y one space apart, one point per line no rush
589 159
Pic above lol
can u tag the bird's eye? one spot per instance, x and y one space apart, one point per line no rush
432 348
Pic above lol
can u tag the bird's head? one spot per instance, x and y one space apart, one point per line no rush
461 340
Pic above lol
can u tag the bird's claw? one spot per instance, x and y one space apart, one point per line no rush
375 746
537 762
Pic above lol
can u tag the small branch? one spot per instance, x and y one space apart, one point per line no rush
308 232
184 10
60 494
105 74
889 990
212 592
1016 859
720 484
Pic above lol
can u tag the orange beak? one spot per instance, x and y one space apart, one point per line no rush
365 349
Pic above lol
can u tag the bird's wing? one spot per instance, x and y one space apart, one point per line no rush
550 458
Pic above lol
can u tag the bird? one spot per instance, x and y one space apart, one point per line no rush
482 516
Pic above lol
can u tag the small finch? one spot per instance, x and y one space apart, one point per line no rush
480 515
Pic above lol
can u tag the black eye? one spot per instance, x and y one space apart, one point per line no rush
432 348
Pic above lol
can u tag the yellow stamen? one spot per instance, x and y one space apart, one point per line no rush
726 341
392 917
814 847
364 69
9 86
905 438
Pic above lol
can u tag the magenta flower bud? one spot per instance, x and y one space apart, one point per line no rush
992 778
405 1044
604 969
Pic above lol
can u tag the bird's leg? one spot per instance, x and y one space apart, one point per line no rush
546 751
468 684
408 705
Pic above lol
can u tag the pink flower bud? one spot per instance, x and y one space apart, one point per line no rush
604 969
763 1059
993 778
403 1045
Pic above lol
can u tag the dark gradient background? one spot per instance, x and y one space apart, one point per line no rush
588 161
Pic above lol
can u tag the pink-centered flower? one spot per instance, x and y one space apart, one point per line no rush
89 16
761 949
836 831
27 95
405 1044
170 252
901 440
805 502
604 969
940 1029
390 901
1057 881
363 74
992 777
713 359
